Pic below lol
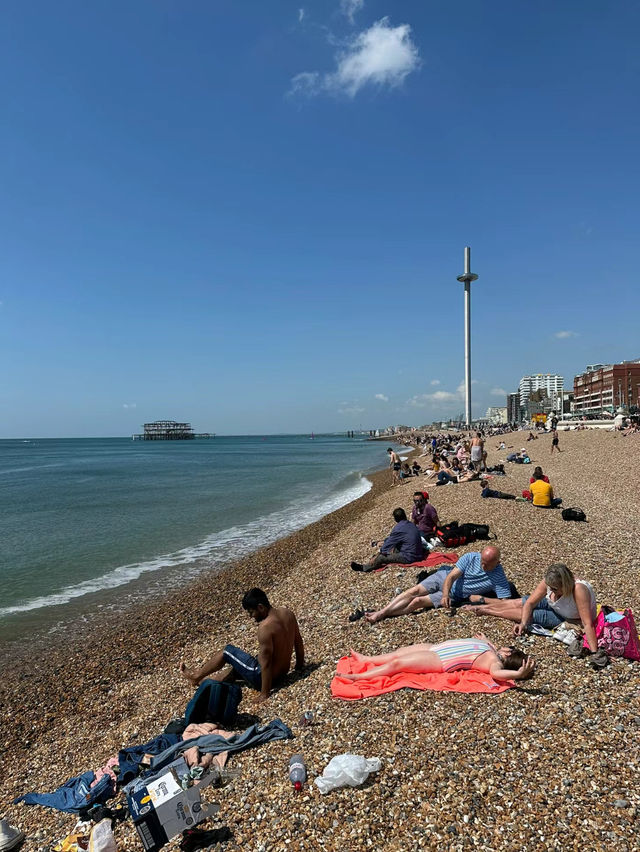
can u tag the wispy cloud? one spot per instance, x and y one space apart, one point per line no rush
381 56
440 398
129 405
382 397
351 409
498 392
422 400
349 8
563 335
435 382
301 14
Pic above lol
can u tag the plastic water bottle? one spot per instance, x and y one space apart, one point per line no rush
307 719
297 772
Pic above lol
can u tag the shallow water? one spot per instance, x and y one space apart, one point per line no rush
91 522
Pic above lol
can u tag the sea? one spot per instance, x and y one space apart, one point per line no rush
94 524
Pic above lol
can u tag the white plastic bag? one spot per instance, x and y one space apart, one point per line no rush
102 839
351 769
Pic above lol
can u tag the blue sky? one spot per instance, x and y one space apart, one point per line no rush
251 215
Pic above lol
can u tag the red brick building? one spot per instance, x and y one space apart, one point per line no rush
604 387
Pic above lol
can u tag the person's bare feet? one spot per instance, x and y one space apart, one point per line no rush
372 617
355 655
188 675
476 610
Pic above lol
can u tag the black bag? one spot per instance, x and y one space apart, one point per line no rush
480 532
574 514
214 701
457 535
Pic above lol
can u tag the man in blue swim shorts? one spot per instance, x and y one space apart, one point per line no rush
278 637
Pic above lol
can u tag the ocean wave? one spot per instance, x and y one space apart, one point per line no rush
214 551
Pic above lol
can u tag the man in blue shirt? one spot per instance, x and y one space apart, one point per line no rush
476 574
403 544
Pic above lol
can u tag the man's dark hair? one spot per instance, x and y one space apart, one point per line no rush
418 494
515 659
399 515
389 450
253 598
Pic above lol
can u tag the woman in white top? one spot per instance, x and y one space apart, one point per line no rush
559 597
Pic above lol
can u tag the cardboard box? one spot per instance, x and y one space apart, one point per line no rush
161 808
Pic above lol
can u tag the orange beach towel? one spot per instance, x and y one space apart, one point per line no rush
464 681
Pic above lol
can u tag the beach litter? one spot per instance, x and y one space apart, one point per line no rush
346 769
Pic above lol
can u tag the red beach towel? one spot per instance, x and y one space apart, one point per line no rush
464 681
431 561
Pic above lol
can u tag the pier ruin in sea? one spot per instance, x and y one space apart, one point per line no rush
170 430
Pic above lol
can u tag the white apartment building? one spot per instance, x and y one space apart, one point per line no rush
551 383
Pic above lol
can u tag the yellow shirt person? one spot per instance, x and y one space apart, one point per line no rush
541 492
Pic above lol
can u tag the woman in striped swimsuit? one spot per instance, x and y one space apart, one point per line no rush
450 656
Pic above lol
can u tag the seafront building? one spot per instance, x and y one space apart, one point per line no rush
606 387
513 408
497 415
551 384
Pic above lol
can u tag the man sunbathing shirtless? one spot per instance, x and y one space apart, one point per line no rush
450 656
278 637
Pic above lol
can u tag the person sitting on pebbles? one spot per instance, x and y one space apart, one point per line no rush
402 545
557 598
453 655
278 637
475 575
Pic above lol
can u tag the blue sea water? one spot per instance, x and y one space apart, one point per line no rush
88 523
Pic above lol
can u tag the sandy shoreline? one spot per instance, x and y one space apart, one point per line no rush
539 766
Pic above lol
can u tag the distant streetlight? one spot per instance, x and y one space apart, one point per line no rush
466 279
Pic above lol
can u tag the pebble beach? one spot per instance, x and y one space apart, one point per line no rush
553 764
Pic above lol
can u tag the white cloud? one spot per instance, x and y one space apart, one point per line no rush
301 14
129 405
351 409
435 382
350 7
422 400
382 397
381 56
498 392
562 335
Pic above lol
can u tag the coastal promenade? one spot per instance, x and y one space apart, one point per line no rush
551 765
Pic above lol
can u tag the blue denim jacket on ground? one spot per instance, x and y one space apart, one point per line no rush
129 759
75 795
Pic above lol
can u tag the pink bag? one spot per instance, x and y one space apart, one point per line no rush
616 634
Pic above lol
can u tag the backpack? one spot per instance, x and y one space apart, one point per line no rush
214 701
449 535
480 532
457 535
573 515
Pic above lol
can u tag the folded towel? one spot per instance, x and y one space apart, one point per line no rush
463 681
